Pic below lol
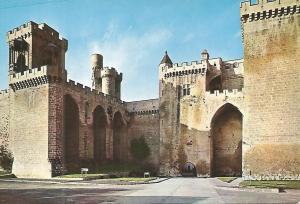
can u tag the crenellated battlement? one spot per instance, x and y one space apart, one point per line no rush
186 64
186 72
225 93
89 91
110 72
27 29
29 78
4 92
268 9
144 107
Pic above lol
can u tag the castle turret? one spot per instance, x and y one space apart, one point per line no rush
111 82
164 64
97 66
204 55
33 45
166 61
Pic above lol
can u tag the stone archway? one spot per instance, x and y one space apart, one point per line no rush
99 130
118 128
189 170
71 133
226 134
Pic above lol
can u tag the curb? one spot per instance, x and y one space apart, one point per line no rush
80 182
259 190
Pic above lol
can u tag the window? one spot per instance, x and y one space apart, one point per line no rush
186 90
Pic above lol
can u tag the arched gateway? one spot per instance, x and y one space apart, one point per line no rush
226 134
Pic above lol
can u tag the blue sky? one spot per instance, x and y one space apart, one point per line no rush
132 35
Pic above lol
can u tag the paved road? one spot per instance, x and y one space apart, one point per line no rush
176 190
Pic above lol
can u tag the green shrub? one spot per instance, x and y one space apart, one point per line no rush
6 158
139 149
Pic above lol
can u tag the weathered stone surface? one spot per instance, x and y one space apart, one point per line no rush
272 110
221 117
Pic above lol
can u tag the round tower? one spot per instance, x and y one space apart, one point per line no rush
109 78
97 66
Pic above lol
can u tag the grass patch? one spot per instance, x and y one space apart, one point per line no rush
226 179
5 174
79 175
109 168
134 179
271 184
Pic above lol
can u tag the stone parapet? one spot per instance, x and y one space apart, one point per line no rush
268 9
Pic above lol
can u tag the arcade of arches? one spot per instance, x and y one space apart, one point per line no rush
100 134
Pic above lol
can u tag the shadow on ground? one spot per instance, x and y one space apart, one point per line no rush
84 196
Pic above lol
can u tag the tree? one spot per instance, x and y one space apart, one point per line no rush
6 158
139 148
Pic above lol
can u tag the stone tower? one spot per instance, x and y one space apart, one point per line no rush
36 58
105 79
97 66
111 82
271 140
34 45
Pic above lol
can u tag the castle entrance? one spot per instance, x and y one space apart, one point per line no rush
71 132
189 170
226 135
99 128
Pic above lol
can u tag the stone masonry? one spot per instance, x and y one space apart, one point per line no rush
213 117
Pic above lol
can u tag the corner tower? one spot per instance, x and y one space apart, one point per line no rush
36 64
34 45
271 140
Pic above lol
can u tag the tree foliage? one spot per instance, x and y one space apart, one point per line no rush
6 158
139 148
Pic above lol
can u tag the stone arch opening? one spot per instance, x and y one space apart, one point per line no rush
118 129
215 84
21 63
189 170
99 130
71 132
226 134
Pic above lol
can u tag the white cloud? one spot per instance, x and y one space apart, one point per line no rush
127 52
188 37
238 34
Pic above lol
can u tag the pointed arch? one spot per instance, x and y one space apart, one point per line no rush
71 133
99 133
118 136
226 141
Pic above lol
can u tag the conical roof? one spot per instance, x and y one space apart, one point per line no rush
166 59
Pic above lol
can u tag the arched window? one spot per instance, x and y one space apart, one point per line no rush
21 63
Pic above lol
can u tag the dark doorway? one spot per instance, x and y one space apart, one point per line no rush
118 128
227 141
71 132
99 128
189 170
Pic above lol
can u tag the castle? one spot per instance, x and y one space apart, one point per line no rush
212 118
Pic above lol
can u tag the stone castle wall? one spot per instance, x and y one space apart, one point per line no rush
185 128
87 101
4 119
29 131
271 33
144 122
